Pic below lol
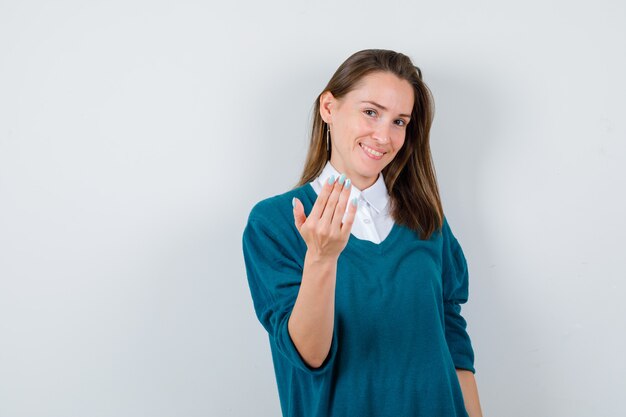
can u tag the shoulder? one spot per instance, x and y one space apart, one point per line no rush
273 216
277 205
271 221
451 244
447 231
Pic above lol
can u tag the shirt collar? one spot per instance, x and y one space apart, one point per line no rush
376 194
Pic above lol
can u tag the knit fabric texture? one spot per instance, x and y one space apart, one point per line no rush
398 333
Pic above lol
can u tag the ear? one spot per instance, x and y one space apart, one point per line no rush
327 103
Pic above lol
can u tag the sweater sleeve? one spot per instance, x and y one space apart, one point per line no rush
274 277
455 292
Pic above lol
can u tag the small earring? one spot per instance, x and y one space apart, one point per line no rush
327 137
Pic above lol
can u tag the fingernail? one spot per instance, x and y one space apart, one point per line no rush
293 202
348 183
331 179
354 201
342 178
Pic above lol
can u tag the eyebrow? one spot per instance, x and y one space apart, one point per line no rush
383 107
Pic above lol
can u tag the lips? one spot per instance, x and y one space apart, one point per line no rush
369 149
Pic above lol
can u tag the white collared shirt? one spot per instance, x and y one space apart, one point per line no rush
372 221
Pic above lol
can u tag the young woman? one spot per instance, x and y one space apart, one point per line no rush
355 272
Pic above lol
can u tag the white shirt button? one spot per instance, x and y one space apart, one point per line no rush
366 220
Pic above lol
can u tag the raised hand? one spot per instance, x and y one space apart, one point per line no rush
323 231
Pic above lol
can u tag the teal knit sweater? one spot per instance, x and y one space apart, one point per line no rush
398 332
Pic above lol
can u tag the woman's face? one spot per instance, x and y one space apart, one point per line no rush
368 121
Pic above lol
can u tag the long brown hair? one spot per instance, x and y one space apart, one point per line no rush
410 177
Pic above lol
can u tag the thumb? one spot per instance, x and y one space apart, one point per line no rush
298 213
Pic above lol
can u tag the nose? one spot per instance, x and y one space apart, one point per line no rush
382 133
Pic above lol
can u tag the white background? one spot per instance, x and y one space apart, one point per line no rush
135 137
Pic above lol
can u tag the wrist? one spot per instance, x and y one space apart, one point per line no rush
313 257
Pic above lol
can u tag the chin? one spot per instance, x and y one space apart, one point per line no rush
370 172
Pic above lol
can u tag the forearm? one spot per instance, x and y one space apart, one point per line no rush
470 392
312 319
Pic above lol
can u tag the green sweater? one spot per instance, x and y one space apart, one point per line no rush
398 331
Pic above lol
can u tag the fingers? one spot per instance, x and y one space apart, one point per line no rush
350 215
340 208
322 198
322 229
331 204
298 213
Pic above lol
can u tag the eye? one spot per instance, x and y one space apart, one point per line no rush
403 123
366 111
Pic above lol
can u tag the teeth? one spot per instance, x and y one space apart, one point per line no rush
372 151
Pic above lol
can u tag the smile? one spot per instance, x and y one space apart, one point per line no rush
371 152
